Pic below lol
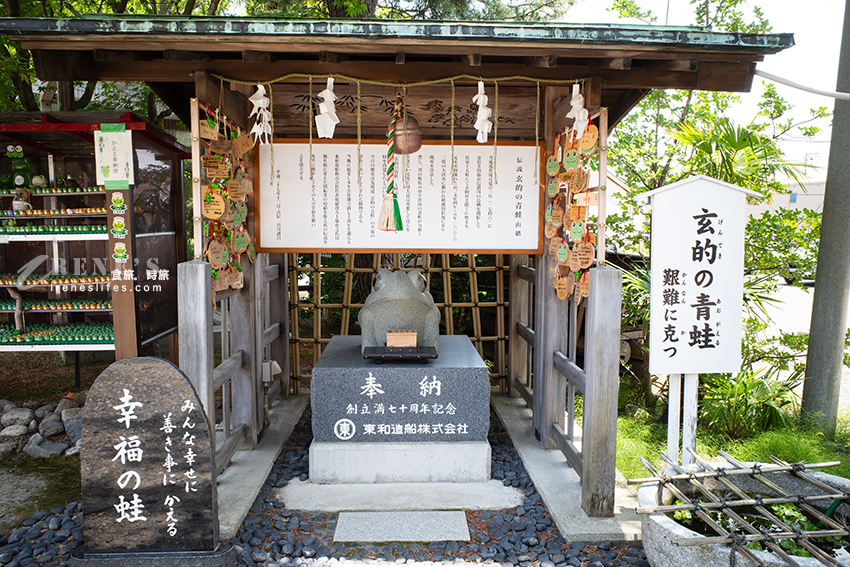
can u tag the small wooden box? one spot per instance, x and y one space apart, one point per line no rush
401 338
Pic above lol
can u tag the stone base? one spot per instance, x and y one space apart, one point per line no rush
224 556
344 463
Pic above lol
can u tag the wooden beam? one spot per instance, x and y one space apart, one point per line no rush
734 77
471 60
544 61
208 91
399 58
592 91
619 63
331 57
172 95
347 45
120 55
551 316
685 65
258 56
186 56
244 90
411 71
194 301
429 105
65 65
627 101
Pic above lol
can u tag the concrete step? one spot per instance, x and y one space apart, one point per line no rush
490 495
402 526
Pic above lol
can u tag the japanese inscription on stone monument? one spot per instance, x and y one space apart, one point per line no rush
445 401
147 465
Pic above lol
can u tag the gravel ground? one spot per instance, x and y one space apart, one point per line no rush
521 536
274 535
17 489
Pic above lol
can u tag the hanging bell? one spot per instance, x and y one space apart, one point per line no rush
408 136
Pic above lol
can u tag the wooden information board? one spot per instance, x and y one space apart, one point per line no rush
490 204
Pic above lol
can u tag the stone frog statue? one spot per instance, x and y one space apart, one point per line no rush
399 301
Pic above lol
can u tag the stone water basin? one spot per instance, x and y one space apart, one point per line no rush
659 531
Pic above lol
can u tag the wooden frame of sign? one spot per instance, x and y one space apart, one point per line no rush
329 213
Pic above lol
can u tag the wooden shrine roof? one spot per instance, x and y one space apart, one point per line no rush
165 51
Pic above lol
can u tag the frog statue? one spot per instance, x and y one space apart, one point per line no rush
399 300
20 167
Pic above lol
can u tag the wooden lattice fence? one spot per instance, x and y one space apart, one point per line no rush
327 291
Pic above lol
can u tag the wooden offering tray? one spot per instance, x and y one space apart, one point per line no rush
380 354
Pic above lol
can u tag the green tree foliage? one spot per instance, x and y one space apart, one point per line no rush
737 155
500 10
671 135
728 15
19 89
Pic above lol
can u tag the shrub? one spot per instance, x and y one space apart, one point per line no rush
748 402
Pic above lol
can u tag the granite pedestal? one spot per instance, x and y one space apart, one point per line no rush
400 421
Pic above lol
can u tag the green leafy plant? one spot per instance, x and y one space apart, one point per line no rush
748 402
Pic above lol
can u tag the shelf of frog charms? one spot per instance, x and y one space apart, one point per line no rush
56 346
48 237
55 216
97 191
28 311
59 305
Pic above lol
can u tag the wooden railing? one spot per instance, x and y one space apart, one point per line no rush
521 290
598 383
248 338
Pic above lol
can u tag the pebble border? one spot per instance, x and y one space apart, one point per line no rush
272 535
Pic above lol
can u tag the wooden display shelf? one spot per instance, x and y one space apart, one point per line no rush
53 237
44 287
56 346
57 194
59 310
54 216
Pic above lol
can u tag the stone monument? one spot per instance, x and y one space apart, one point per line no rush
149 491
400 421
399 301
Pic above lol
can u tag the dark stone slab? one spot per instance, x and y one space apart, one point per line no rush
144 412
444 400
224 556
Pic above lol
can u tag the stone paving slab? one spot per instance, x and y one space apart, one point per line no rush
490 495
402 526
560 486
240 483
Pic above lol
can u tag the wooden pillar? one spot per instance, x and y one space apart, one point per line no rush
279 311
602 363
674 416
551 314
259 293
195 328
690 394
244 384
519 312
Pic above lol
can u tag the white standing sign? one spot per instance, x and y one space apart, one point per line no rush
696 293
697 271
491 201
113 154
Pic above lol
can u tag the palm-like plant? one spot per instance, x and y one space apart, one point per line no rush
737 155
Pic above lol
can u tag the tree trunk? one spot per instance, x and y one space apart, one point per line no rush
822 386
83 101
